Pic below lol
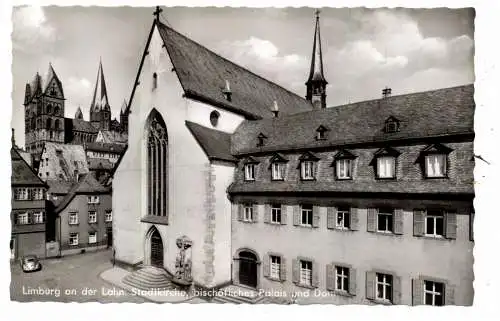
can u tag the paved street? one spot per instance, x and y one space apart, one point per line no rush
69 279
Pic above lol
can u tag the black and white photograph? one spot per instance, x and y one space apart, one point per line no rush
225 155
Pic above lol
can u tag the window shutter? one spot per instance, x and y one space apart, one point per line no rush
265 265
315 274
417 292
255 217
330 277
296 215
354 219
370 285
295 270
451 226
316 216
396 289
283 214
398 221
240 212
371 219
352 281
331 213
449 295
283 269
267 213
418 222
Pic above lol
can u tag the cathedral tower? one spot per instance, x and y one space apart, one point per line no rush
43 111
100 111
316 83
124 117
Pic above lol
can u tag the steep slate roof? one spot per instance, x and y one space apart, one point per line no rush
431 113
71 158
105 147
59 187
81 125
215 144
98 163
88 184
100 99
203 76
22 173
110 136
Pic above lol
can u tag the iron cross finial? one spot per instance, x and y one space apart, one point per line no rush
157 12
317 12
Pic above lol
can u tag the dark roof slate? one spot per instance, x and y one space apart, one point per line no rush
59 186
203 75
431 113
87 184
81 125
105 147
22 173
215 144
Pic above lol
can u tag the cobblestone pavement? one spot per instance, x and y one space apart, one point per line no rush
69 279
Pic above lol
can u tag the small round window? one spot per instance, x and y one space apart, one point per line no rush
214 118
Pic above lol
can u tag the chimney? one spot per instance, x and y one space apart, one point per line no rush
13 138
386 92
275 109
227 91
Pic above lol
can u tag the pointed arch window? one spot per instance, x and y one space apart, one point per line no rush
49 123
56 124
157 166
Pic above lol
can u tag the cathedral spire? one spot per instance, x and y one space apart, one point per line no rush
124 107
100 99
79 114
316 83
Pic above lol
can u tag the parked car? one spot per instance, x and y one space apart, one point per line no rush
30 263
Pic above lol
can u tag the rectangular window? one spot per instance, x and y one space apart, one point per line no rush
306 217
384 287
92 217
435 165
250 172
433 293
306 273
386 167
93 199
108 216
277 171
434 224
73 218
342 278
343 218
22 218
92 237
38 217
275 266
344 169
21 194
248 213
385 220
307 170
276 214
37 194
73 238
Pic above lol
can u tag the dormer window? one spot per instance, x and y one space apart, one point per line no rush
250 168
227 91
391 125
261 140
278 167
308 166
343 164
385 163
321 132
434 161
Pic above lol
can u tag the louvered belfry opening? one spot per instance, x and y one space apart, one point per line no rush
157 166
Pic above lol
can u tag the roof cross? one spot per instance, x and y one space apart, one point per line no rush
157 12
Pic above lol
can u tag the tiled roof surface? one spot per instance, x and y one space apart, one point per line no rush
105 147
59 186
87 184
203 74
65 159
423 114
215 144
111 136
22 173
98 163
82 125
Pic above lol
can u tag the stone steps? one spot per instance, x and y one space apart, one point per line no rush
148 278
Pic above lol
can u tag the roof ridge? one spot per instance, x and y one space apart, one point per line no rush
231 62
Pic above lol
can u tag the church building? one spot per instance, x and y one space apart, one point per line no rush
239 182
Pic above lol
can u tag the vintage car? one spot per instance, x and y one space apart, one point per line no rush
30 263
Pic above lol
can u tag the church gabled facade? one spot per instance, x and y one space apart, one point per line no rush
241 181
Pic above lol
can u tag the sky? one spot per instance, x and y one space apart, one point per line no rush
364 50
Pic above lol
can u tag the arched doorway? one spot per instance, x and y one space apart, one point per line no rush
247 272
156 249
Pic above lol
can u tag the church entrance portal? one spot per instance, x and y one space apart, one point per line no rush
156 249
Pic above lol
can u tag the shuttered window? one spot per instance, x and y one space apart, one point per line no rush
306 273
306 215
434 223
343 218
276 214
385 220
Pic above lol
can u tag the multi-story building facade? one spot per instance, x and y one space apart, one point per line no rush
322 202
84 217
28 215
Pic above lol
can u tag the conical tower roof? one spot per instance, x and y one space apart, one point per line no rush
100 98
316 72
51 74
124 107
79 114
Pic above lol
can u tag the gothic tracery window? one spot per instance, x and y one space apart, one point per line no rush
157 165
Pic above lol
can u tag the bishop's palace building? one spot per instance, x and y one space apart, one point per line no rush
230 181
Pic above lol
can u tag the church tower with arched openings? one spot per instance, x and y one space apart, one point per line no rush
100 111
